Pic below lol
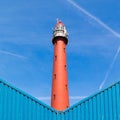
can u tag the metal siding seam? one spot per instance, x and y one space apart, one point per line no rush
31 106
118 99
98 106
66 116
114 103
73 113
82 111
69 115
30 109
42 113
110 104
33 113
102 106
37 110
94 108
13 105
23 107
61 116
78 112
54 116
8 103
86 111
33 110
51 114
106 105
90 110
26 107
40 109
4 102
45 114
1 100
58 116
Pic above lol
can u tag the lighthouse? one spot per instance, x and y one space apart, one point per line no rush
60 95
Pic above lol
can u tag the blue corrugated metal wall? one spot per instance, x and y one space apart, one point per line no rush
104 105
17 105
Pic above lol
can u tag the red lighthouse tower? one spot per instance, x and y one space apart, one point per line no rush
60 97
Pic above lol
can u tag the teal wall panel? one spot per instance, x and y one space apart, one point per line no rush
105 105
18 105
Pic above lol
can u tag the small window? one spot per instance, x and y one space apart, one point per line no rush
55 57
54 96
54 76
66 86
64 49
65 66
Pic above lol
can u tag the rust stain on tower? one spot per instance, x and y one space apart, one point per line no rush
60 95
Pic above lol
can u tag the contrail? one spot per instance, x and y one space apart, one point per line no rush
110 68
77 97
71 97
94 18
12 54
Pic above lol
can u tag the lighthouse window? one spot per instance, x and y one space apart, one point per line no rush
54 76
64 49
54 96
66 86
55 57
65 67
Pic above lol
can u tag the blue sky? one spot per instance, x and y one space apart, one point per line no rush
26 50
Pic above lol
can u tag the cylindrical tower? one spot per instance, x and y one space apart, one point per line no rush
60 96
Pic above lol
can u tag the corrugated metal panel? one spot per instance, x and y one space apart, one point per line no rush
104 105
17 105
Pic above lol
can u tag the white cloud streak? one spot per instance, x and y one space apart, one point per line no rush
94 18
71 98
77 97
110 68
12 54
